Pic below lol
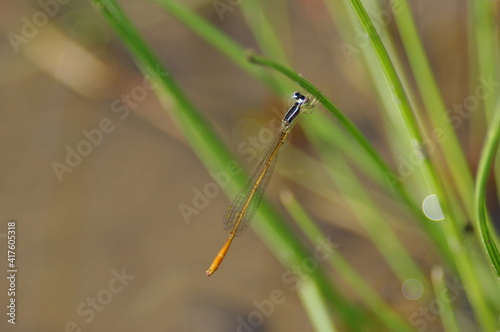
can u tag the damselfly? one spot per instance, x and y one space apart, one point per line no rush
240 212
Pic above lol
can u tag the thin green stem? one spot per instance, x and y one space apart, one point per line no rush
442 133
484 59
485 33
483 172
316 307
442 294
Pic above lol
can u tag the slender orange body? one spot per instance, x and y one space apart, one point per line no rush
222 253
238 216
220 256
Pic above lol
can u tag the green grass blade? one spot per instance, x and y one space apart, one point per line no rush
484 45
485 34
401 99
316 307
485 164
263 31
203 139
450 148
448 318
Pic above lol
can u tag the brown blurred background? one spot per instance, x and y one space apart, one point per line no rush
116 213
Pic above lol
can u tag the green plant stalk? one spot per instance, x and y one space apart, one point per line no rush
485 164
448 318
483 29
184 112
266 37
316 307
340 265
486 42
215 156
280 21
486 275
451 228
394 127
401 99
263 31
436 110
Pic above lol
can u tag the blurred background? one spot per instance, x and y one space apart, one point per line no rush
117 219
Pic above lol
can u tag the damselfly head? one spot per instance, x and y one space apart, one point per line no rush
301 99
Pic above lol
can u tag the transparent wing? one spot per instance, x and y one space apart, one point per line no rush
241 211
